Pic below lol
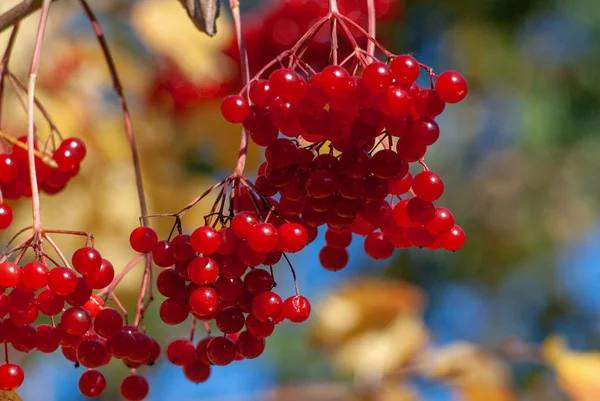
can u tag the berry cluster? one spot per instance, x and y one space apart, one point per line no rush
374 125
222 276
88 333
14 172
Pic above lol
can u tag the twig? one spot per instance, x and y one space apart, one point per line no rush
4 63
372 26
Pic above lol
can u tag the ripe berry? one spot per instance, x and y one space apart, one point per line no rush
204 301
333 259
86 260
173 311
451 86
92 384
102 278
11 376
453 239
49 303
378 246
92 353
400 185
203 270
263 237
81 294
292 237
47 338
397 101
162 254
134 388
229 289
108 322
197 371
229 242
281 153
62 281
235 109
249 256
230 320
338 239
405 70
75 321
249 346
143 239
259 329
221 351
321 184
267 306
377 77
258 280
419 211
428 186
181 352
34 276
296 309
425 131
10 274
288 84
182 248
9 169
428 103
334 80
260 93
6 216
442 222
205 240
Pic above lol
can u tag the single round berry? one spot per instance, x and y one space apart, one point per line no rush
378 246
334 80
221 351
234 109
259 329
197 371
203 270
405 70
134 388
162 254
377 77
296 309
143 239
454 239
10 274
102 278
442 222
428 186
86 260
263 237
292 237
230 320
242 223
6 216
9 169
333 259
249 346
267 306
180 352
75 321
260 93
204 301
338 239
11 377
287 83
62 281
34 276
92 384
49 303
173 311
258 280
92 353
419 211
451 86
205 240
108 322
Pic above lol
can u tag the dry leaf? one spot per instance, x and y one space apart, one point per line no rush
578 373
9 396
204 14
476 374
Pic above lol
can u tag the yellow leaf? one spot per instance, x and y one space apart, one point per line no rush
476 374
9 396
578 373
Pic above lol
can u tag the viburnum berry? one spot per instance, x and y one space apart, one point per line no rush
62 281
182 248
75 321
221 350
174 311
334 80
9 169
425 131
203 270
201 349
267 306
108 322
453 239
258 280
400 185
81 294
263 237
134 388
86 260
377 77
230 320
162 254
257 328
404 70
92 384
204 301
229 242
49 303
205 240
333 259
47 338
181 352
102 278
6 216
248 346
229 289
11 377
143 239
378 246
197 371
428 186
451 86
292 237
234 109
419 211
296 309
92 353
34 276
10 274
260 93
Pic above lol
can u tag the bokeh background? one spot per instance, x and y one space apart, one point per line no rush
511 316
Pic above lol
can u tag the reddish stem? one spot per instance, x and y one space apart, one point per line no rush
4 63
385 51
372 26
128 267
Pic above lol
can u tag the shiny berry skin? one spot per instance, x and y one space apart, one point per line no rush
234 109
92 353
260 93
81 294
204 301
230 320
405 70
49 303
11 376
6 216
428 103
442 222
263 237
182 248
377 77
173 311
292 237
242 223
454 239
86 260
10 274
162 254
197 371
419 211
203 270
229 289
205 240
281 153
428 186
400 185
338 239
333 259
257 328
180 352
257 281
378 246
108 322
143 239
34 276
229 242
296 309
386 164
134 388
425 131
102 278
267 306
9 169
334 80
47 338
451 86
75 321
221 351
62 281
92 384
288 84
321 184
397 101
77 148
249 346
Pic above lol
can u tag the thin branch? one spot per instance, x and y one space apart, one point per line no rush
372 26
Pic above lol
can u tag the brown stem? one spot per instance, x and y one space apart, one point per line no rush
46 159
199 198
89 236
18 12
128 267
140 309
124 107
33 72
334 42
4 63
60 254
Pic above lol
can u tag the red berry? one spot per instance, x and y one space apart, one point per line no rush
249 346
229 289
203 270
182 248
378 246
400 185
48 338
92 384
258 280
338 239
267 306
230 320
86 260
75 321
49 303
229 242
9 169
81 294
181 352
442 222
10 274
257 328
197 371
108 322
134 388
334 80
102 278
425 131
453 239
261 93
288 84
174 311
204 301
451 86
428 103
377 77
263 237
242 223
205 240
428 186
405 70
221 351
92 353
296 309
162 254
333 259
235 108
419 211
143 239
397 101
34 276
62 281
292 237
6 216
11 376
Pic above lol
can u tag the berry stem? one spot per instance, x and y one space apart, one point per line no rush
293 273
334 42
130 265
234 5
372 26
386 52
117 85
4 63
89 236
120 306
60 254
193 329
141 308
33 72
199 198
6 351
333 7
46 159
423 164
207 328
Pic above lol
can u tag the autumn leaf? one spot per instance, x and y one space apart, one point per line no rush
476 374
578 373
